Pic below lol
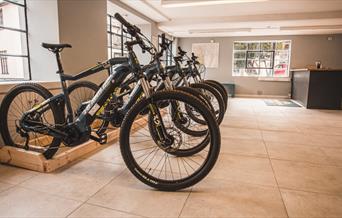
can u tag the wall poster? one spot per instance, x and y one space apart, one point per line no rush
208 53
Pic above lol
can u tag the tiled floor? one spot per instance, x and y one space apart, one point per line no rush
274 162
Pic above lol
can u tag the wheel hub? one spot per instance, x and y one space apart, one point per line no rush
173 141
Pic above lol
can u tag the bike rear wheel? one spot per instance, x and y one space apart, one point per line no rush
19 100
215 98
219 88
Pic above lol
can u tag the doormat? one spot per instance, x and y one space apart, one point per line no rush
284 103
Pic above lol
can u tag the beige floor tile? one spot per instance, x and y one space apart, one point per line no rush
308 177
267 113
240 133
110 154
126 193
245 169
89 211
301 153
14 175
287 137
333 123
237 122
327 114
78 182
5 186
20 202
334 154
327 140
235 116
219 198
243 147
279 125
321 130
306 204
239 114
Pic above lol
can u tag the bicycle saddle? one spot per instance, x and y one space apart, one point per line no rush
55 46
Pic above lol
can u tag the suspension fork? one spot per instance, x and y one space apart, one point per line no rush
157 118
174 104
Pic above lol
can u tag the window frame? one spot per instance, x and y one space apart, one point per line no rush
274 50
3 63
25 31
122 35
1 17
169 52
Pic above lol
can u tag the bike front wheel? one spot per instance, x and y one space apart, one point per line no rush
152 162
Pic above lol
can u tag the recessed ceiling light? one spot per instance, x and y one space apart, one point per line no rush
232 30
177 4
318 27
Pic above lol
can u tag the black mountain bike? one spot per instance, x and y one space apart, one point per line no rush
194 72
130 88
115 109
29 113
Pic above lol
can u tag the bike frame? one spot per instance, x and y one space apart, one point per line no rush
119 73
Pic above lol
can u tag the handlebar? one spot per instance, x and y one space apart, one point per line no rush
193 56
181 52
134 31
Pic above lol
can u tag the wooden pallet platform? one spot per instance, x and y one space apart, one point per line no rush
35 161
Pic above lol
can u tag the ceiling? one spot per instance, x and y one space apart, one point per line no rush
203 18
131 17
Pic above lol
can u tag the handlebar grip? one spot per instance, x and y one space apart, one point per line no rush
122 20
163 38
118 60
131 29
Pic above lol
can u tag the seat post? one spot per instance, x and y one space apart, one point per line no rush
59 63
60 71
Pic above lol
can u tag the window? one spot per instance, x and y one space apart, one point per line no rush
168 53
262 58
3 63
14 51
116 38
1 18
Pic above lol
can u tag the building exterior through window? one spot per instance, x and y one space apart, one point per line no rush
167 57
3 63
14 53
261 58
116 38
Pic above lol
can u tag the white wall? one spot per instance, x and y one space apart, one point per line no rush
42 17
144 58
305 51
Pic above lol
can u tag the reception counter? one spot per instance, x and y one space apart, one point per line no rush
317 88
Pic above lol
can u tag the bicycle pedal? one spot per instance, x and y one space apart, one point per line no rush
102 139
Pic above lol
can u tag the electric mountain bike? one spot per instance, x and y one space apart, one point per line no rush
115 114
30 110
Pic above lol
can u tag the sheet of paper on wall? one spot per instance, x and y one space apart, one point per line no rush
208 53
